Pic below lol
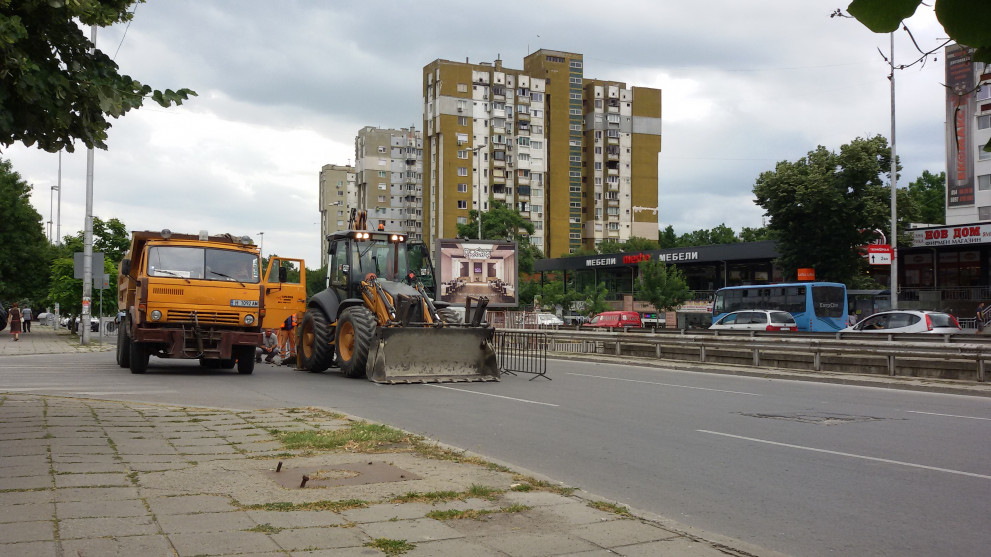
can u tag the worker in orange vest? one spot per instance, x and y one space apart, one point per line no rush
287 337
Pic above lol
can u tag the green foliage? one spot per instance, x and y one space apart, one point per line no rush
316 280
610 246
24 250
110 238
553 294
826 205
581 252
500 222
55 90
965 21
662 285
666 238
748 234
595 299
928 197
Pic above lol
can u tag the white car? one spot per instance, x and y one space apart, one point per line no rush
756 320
907 321
548 319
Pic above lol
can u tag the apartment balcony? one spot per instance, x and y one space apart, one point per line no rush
498 129
612 234
499 163
521 189
523 181
498 113
612 203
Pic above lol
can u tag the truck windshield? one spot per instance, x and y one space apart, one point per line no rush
203 263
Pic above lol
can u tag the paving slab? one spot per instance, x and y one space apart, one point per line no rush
143 546
96 493
186 504
621 532
71 528
297 519
536 545
222 543
91 480
27 482
680 547
413 530
27 531
331 537
27 497
453 548
205 522
26 513
93 509
30 549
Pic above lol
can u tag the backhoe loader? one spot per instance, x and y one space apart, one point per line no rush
375 319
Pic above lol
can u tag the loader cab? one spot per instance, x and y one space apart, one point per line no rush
356 254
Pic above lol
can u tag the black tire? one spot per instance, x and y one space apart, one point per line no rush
245 359
313 347
123 348
210 363
449 316
228 364
355 332
138 357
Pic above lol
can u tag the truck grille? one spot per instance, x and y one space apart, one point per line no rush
205 317
167 291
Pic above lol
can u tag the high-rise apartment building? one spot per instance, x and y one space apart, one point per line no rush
576 156
336 196
389 179
968 129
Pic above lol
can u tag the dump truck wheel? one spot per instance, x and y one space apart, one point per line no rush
138 357
245 359
123 350
355 330
314 342
448 316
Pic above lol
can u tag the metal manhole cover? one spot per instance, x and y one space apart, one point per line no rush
815 418
356 473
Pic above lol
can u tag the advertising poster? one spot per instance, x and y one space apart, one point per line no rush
477 268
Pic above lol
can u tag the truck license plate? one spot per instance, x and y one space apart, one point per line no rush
244 303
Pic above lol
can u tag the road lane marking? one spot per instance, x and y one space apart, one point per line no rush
490 394
948 415
664 384
851 455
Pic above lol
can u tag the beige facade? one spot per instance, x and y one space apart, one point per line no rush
576 156
337 186
389 178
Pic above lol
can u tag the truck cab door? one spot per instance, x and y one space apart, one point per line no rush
285 291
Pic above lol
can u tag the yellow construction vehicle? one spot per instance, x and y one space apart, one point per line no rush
376 319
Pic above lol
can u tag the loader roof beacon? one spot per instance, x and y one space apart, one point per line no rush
190 296
376 320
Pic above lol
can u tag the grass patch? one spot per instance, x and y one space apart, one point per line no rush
610 507
483 491
475 514
525 483
265 529
333 506
360 437
428 497
391 547
436 452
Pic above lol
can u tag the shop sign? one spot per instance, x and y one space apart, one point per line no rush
806 274
952 236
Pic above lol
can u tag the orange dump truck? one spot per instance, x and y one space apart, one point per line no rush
190 296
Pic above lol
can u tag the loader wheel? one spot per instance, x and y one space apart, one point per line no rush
448 316
355 331
314 342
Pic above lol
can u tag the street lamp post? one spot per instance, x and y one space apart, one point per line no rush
51 214
474 151
261 245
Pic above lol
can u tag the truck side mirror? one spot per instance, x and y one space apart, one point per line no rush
125 267
283 274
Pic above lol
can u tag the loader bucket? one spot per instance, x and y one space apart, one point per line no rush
432 355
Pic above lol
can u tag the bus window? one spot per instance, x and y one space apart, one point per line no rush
828 301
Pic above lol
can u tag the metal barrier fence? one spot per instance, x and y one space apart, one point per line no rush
521 352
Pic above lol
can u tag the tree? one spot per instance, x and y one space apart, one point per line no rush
316 280
722 234
110 238
823 207
965 21
55 90
609 246
928 196
637 243
748 234
662 285
594 298
24 250
666 238
500 222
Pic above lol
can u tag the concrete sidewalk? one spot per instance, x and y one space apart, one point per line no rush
92 477
45 340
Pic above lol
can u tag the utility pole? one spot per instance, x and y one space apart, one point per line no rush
478 171
894 188
84 334
58 221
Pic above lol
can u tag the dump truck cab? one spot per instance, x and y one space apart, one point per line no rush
190 296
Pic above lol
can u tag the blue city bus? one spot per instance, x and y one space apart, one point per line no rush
816 306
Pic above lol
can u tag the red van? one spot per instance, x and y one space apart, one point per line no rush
616 319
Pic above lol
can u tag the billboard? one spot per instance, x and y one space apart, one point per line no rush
477 268
960 140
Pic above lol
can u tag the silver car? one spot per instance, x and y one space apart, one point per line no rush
756 320
907 321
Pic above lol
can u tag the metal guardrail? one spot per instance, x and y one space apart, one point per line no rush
897 354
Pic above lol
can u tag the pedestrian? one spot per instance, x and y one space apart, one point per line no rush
979 322
28 316
14 321
269 346
287 337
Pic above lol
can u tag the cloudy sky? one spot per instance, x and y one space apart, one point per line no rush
285 86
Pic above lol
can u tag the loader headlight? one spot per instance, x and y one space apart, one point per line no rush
249 319
156 315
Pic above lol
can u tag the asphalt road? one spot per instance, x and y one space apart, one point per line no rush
796 467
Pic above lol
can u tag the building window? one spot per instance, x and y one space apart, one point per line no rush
462 120
537 113
523 141
576 64
576 80
984 213
575 111
982 155
612 225
462 105
462 188
536 97
984 92
574 174
536 144
382 187
984 122
576 205
381 199
462 204
462 220
598 166
575 235
383 162
462 87
575 142
575 158
463 154
575 127
984 182
575 96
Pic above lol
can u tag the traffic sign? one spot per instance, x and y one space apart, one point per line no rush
879 254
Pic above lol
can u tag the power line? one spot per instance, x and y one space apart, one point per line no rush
125 32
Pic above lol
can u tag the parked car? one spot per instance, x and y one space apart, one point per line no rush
907 321
756 320
548 319
615 319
